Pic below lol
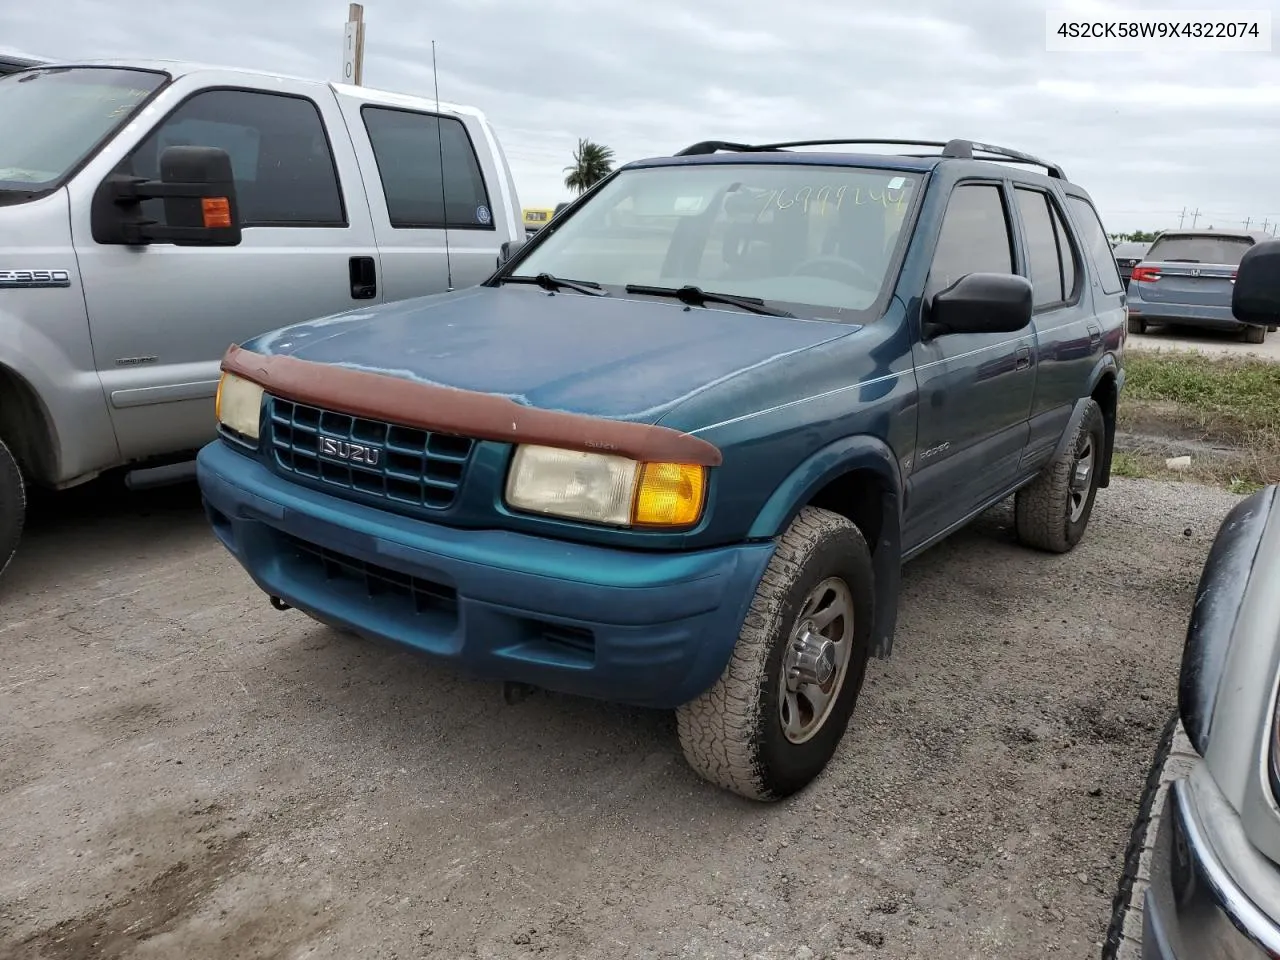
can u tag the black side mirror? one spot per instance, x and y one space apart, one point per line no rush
509 249
198 190
1256 297
980 303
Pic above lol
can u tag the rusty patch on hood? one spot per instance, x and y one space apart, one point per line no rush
465 413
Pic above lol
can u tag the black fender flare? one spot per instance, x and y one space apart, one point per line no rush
860 452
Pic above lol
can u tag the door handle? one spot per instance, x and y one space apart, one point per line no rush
1024 358
364 278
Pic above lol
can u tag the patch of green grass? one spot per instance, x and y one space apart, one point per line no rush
1242 390
1127 464
1243 485
1233 402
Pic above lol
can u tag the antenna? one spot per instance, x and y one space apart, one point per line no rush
444 207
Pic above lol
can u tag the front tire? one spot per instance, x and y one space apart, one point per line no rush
775 717
1052 512
1137 325
1254 334
13 505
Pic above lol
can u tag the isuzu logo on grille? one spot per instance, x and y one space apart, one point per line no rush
351 452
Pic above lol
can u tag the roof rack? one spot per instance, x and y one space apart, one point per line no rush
954 149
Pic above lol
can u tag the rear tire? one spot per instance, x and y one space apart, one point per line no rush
770 725
1254 334
1052 512
13 506
1137 325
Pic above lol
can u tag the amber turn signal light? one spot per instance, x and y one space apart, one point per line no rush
669 494
217 212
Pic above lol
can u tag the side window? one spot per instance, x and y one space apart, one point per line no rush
420 193
1051 256
974 238
1066 253
284 170
1094 238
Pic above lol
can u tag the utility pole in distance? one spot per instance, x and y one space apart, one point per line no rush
1182 216
353 46
1194 217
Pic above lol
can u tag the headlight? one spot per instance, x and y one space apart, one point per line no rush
239 405
602 488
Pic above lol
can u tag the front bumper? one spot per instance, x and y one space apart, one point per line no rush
652 629
1203 904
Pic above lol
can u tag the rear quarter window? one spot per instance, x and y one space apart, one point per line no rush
1094 238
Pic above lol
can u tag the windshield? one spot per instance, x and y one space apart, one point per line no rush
1222 250
52 119
806 235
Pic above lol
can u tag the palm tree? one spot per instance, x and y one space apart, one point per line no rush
592 162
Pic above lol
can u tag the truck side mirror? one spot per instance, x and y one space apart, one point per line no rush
1256 297
198 189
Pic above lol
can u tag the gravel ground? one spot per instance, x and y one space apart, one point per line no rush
185 772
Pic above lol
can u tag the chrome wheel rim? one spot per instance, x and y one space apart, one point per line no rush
816 660
1081 480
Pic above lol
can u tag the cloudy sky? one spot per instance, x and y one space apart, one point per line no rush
1147 133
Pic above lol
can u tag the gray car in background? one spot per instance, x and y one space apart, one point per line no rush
1187 278
1128 255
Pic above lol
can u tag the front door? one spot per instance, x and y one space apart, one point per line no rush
162 316
975 389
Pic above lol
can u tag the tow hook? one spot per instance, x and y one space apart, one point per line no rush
513 692
280 604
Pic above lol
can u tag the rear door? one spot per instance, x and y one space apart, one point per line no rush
1192 270
1069 337
438 214
162 316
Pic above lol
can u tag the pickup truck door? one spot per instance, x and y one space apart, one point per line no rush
161 316
433 232
975 389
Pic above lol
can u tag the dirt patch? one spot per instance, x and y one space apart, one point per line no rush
136 914
239 782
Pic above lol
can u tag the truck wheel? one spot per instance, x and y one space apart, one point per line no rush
1137 325
1052 512
1253 334
772 721
13 505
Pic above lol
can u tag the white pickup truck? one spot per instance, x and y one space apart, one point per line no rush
153 213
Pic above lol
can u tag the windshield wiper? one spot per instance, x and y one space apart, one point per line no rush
697 297
547 282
